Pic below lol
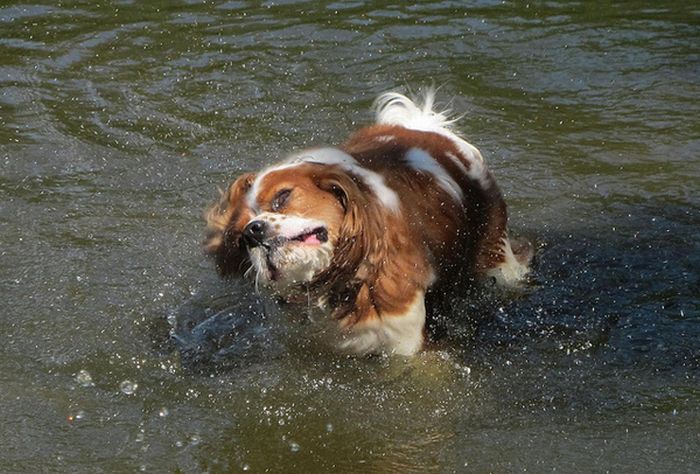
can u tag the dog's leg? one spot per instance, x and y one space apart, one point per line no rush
515 259
400 334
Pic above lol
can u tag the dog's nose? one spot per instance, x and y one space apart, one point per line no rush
254 233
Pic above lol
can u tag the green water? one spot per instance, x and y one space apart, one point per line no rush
121 351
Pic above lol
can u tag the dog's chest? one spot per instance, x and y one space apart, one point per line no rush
400 334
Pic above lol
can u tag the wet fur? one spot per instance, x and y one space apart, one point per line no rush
384 260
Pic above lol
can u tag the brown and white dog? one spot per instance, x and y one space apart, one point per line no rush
366 229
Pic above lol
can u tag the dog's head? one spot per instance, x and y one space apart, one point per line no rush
291 225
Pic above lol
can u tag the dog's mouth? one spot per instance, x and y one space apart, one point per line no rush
313 237
316 236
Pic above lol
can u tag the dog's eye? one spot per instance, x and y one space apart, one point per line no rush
280 200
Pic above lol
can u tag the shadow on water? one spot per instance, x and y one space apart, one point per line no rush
605 340
628 292
215 337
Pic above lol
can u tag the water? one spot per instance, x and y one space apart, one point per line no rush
118 122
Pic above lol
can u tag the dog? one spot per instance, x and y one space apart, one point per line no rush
404 209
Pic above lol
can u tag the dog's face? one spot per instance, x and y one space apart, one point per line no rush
280 227
293 228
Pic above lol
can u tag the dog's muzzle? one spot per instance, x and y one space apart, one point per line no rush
255 234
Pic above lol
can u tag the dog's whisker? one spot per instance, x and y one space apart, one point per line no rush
257 282
246 274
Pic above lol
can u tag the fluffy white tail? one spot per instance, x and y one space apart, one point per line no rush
397 109
392 108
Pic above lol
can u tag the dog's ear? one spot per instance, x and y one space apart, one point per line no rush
350 193
377 259
360 243
225 221
340 185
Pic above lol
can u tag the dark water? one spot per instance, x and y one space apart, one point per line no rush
118 121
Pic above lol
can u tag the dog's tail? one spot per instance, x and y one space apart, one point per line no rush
418 114
393 108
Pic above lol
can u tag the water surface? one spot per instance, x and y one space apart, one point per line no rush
118 122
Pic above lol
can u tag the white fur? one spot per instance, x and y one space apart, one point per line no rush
290 226
397 109
332 156
421 160
511 272
400 334
393 108
296 262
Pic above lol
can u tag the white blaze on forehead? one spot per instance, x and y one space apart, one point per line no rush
332 156
420 160
289 226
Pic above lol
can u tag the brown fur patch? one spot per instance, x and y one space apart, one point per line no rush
225 222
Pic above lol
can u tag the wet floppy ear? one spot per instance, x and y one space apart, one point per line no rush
361 251
225 220
360 233
347 192
339 186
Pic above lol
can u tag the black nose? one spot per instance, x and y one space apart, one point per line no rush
254 233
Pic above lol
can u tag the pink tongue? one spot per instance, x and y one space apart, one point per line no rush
311 239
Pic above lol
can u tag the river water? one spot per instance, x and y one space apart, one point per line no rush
122 351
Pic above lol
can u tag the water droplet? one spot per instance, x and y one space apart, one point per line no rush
329 428
84 379
178 444
246 467
128 387
294 447
163 412
81 414
195 439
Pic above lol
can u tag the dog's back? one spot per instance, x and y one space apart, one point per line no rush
450 198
